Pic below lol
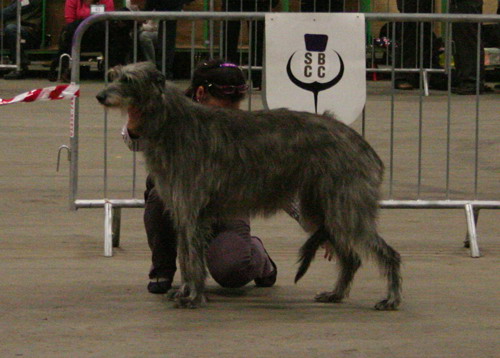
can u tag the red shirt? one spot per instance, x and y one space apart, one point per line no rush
77 9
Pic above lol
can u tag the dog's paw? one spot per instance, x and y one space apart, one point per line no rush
387 305
185 298
186 302
328 296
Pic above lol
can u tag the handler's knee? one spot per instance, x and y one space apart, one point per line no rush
231 260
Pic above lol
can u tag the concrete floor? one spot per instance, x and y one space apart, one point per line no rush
59 297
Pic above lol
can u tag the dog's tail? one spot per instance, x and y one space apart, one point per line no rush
308 251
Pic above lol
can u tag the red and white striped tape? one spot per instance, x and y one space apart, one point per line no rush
45 94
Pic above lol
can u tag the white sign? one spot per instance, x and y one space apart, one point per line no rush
97 9
316 63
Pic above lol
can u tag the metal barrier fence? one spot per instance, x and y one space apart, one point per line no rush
458 179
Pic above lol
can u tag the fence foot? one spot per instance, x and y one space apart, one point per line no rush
116 223
472 216
108 229
426 83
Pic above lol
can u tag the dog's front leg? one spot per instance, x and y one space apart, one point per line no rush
191 254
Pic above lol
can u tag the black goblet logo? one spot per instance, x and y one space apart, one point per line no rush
315 43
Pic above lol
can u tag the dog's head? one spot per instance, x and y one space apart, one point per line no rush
133 86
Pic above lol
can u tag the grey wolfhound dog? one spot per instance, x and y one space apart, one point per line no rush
213 163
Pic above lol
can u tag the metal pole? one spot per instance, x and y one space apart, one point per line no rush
420 109
250 55
448 57
393 82
193 39
479 74
106 66
18 36
211 31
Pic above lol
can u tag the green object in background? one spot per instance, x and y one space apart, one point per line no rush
286 6
366 6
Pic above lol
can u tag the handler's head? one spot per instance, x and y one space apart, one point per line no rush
218 83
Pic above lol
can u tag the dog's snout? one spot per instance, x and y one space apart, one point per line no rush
101 97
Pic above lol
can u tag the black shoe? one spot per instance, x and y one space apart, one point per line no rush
404 85
160 285
269 280
15 75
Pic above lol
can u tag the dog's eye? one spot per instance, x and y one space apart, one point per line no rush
126 79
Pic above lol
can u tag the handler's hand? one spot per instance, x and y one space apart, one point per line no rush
328 251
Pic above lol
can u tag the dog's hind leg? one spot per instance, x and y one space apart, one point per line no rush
349 262
389 262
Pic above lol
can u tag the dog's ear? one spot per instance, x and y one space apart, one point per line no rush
114 73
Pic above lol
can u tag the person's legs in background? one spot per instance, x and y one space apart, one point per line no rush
28 42
465 39
231 31
408 51
167 34
147 42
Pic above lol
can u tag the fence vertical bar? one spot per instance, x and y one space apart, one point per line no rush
250 55
134 153
478 85
449 33
193 40
18 36
393 80
420 109
164 48
363 122
106 66
134 35
211 31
